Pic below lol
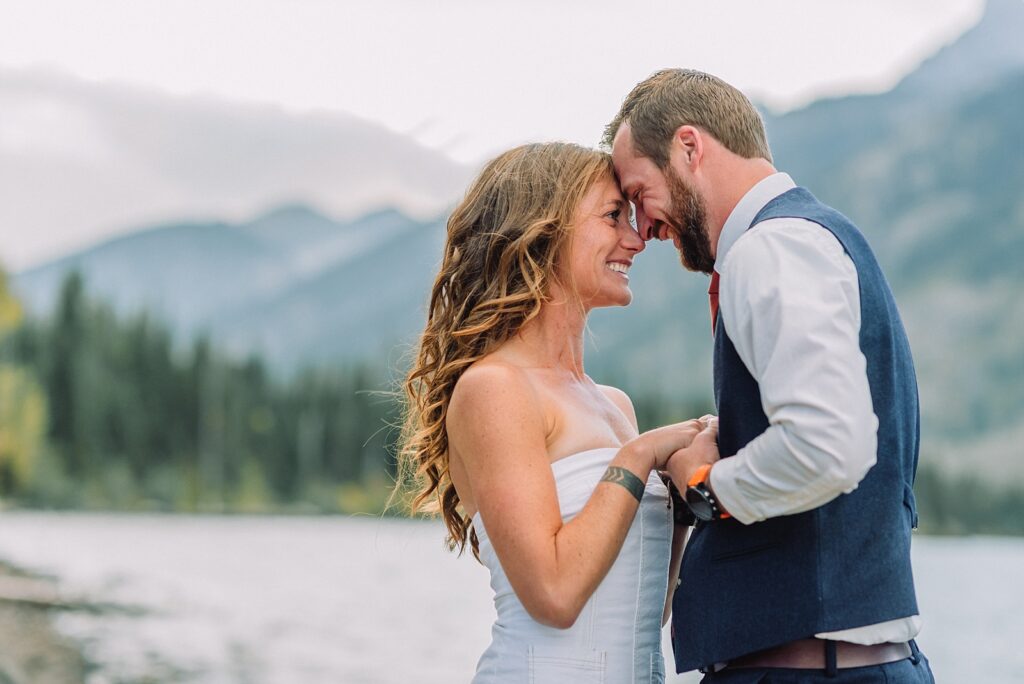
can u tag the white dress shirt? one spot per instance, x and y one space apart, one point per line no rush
790 302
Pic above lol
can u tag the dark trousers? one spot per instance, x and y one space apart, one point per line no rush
912 670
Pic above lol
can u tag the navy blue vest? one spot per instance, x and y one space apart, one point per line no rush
844 565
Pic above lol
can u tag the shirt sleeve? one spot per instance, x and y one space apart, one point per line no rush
790 303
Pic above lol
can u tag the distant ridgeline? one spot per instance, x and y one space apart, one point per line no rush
932 172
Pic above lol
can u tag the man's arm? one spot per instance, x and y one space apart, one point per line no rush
790 303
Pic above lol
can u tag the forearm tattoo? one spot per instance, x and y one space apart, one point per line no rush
626 478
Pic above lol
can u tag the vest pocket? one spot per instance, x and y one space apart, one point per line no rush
553 665
733 554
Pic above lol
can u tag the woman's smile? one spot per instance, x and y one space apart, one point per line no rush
620 267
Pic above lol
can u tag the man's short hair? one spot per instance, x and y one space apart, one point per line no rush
659 105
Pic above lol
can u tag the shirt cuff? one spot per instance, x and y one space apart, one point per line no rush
723 484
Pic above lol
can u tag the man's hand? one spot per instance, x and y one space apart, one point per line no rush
655 446
703 450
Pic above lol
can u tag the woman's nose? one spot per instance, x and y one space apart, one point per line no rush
632 241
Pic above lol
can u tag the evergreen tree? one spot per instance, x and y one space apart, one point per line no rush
63 376
22 405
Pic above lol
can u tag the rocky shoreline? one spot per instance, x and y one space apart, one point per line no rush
31 650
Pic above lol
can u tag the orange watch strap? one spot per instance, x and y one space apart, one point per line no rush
700 476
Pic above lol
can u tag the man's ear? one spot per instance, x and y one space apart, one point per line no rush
688 147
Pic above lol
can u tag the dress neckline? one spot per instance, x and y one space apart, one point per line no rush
585 451
555 466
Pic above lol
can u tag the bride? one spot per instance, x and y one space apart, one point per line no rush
531 463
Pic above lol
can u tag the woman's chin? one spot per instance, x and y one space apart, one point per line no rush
608 297
620 299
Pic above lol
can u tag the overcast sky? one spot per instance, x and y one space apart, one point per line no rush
466 77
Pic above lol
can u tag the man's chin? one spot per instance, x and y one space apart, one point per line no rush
677 240
691 262
693 265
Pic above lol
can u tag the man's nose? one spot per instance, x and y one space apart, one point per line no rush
643 225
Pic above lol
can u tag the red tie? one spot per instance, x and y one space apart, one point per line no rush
713 296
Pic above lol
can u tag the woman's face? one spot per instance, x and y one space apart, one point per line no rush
602 247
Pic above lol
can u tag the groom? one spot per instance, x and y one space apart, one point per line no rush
799 566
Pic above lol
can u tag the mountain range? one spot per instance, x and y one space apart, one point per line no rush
932 171
79 157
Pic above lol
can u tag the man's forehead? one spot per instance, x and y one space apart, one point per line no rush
625 159
622 143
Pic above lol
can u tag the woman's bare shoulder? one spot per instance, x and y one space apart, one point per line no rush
621 400
490 384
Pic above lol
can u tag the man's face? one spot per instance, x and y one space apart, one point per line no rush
688 215
666 205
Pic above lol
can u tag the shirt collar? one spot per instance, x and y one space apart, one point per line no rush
747 208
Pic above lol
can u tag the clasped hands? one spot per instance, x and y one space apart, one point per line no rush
680 449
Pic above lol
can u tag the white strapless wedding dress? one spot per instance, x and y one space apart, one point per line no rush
617 638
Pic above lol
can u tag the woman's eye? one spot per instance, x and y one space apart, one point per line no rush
614 214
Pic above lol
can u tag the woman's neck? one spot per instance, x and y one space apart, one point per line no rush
554 339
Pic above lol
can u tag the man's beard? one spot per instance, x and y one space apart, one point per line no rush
688 215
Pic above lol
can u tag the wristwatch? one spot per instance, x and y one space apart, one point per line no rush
681 513
702 501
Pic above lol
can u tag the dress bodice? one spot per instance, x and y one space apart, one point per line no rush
617 637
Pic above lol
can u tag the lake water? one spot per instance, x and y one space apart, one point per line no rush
367 601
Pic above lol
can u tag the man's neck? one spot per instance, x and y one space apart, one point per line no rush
736 181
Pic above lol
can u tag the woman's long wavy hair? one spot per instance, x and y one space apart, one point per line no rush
504 244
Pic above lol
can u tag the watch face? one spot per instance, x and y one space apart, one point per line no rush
699 504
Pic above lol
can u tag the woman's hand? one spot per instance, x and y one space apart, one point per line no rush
702 450
659 444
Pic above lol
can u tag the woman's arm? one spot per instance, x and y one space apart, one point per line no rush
496 425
